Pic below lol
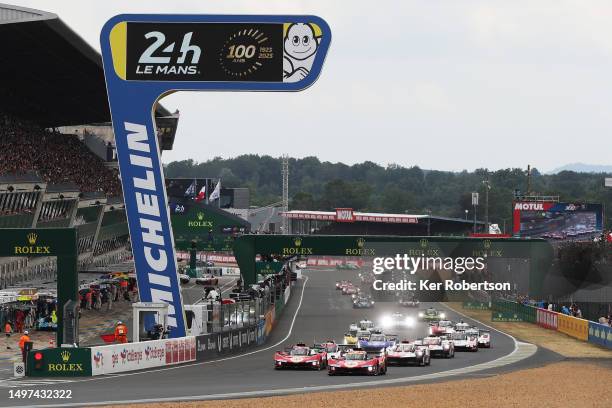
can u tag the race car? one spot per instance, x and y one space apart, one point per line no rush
363 303
208 280
363 335
406 353
397 320
441 328
350 289
341 284
350 337
366 324
409 302
438 346
431 315
464 341
347 265
331 348
462 326
300 356
184 278
377 341
484 337
359 362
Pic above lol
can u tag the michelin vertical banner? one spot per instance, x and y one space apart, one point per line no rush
148 56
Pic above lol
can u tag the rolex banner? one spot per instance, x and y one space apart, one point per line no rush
59 362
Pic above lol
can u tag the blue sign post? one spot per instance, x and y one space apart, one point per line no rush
146 57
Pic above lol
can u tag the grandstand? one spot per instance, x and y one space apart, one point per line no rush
54 117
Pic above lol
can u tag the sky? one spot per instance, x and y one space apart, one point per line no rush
447 85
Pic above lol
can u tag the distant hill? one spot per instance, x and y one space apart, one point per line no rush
583 168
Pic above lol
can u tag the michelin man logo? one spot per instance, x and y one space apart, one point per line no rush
300 48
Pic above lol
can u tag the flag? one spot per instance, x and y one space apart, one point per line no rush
216 192
191 190
201 195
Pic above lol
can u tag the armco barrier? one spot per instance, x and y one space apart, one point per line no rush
547 319
572 326
600 334
211 346
119 358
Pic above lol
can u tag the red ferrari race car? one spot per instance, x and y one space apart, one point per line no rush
441 328
300 356
359 361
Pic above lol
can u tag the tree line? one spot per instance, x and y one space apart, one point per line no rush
367 186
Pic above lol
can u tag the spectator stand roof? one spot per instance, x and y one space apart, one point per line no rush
371 217
49 75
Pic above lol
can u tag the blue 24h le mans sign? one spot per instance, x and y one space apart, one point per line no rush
148 56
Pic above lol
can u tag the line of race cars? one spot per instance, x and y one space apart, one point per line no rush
360 299
369 350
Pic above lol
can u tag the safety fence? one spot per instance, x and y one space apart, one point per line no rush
580 329
125 357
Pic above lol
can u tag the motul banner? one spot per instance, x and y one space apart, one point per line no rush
344 215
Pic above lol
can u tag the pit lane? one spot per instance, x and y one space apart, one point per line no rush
316 312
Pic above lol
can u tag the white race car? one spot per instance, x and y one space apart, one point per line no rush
184 278
438 346
484 338
464 341
366 324
462 326
408 353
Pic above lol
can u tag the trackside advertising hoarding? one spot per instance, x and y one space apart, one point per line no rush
148 56
118 358
554 220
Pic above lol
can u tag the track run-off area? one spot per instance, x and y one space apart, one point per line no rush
316 312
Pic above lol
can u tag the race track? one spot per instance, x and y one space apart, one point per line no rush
316 312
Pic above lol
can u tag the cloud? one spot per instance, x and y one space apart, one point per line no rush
444 84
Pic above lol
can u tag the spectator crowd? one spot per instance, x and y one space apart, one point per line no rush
57 158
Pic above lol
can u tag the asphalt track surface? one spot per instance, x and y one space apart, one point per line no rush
316 312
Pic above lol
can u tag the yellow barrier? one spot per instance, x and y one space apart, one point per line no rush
572 326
